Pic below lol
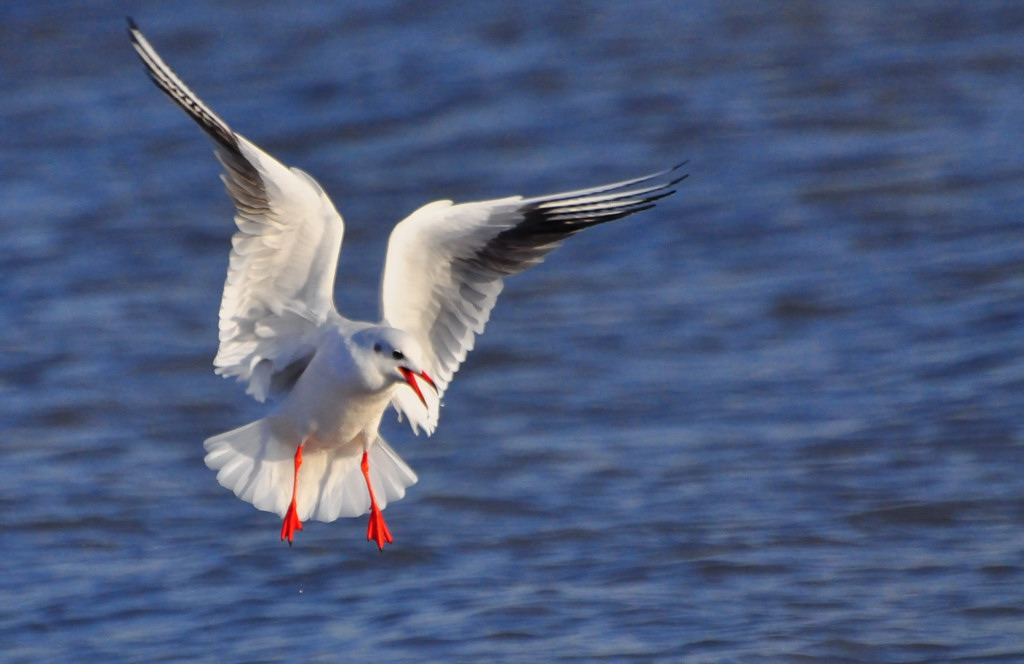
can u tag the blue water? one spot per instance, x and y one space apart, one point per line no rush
778 418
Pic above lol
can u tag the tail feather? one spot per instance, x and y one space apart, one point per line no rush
259 469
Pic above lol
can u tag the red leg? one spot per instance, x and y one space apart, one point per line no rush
376 530
291 517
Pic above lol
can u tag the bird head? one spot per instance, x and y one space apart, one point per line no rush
397 357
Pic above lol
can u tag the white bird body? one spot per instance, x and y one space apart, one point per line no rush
332 412
334 378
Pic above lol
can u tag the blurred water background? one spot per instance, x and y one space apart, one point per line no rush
778 418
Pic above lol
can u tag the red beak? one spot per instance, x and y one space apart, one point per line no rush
410 377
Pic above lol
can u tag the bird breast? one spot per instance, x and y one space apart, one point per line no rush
334 408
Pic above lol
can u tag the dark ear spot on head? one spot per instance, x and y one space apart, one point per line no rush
376 348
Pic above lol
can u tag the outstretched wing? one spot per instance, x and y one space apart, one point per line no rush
445 266
280 282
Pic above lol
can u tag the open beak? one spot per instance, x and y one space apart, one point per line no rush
410 377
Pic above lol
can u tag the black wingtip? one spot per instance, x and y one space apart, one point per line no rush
132 27
676 168
133 30
676 180
679 179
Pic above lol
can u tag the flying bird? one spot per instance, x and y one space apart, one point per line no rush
318 454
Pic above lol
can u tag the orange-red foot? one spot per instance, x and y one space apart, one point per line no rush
376 530
291 524
291 517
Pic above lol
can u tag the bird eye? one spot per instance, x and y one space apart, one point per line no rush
376 348
397 354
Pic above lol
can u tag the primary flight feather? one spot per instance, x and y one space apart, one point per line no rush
318 454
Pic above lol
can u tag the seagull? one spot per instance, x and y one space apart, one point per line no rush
318 455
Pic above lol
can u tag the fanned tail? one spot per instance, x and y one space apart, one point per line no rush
259 469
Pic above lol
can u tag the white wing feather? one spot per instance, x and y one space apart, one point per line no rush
446 264
280 282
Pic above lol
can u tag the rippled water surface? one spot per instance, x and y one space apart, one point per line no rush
778 418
